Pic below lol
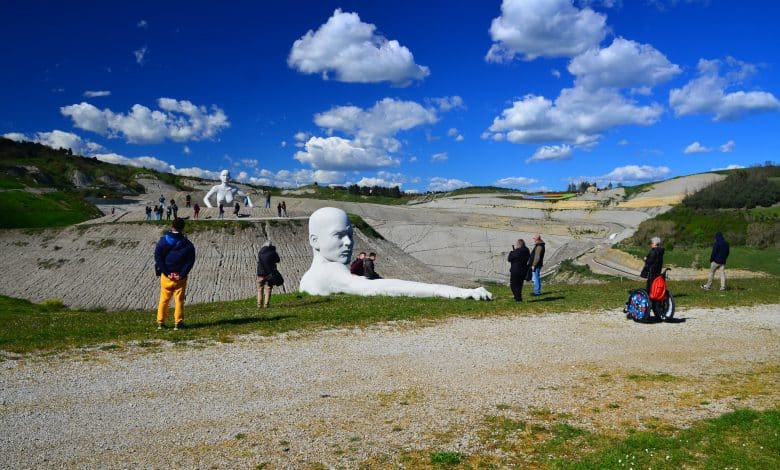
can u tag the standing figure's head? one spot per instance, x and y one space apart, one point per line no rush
330 235
224 176
655 242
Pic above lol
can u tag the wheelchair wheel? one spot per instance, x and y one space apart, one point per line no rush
637 306
664 309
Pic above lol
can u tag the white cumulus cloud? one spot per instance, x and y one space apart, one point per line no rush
624 64
372 135
709 92
336 153
635 173
140 55
176 120
728 146
438 183
515 182
551 152
353 52
59 139
696 147
577 116
548 28
448 103
96 93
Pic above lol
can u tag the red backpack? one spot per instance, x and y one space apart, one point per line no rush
658 289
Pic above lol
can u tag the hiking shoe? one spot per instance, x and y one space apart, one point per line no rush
179 326
705 287
722 289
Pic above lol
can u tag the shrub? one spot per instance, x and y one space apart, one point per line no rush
53 304
763 234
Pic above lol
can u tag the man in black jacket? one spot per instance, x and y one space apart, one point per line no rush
266 264
720 252
174 257
518 268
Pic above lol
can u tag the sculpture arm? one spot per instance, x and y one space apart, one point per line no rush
208 196
242 193
334 278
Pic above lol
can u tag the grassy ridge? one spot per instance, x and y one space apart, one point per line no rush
30 327
54 209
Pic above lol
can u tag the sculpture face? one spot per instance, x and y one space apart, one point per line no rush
330 234
224 176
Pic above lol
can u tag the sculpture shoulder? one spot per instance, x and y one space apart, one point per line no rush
324 279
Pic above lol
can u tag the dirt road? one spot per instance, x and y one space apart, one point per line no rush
340 398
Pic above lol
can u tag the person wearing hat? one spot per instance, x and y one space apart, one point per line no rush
535 263
174 257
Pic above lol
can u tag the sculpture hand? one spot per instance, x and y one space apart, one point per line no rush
480 293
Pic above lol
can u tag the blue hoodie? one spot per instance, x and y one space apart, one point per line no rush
720 250
174 253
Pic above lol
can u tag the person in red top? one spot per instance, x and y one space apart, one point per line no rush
356 267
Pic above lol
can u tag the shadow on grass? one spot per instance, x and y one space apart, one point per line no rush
240 321
542 298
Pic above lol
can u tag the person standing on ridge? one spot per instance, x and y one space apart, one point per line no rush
174 257
720 252
536 262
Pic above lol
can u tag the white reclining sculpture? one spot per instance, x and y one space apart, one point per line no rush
330 236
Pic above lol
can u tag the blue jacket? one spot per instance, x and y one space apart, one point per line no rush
720 250
174 253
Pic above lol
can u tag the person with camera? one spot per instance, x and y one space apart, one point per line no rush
267 274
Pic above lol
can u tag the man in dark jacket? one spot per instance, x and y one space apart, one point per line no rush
518 268
654 262
536 262
720 252
174 257
368 267
266 264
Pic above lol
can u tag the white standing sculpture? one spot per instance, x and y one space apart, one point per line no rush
330 236
225 192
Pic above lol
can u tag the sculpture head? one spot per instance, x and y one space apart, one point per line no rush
330 235
224 176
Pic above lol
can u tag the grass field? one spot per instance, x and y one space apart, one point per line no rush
31 327
765 260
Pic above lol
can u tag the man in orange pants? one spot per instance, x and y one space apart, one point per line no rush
174 257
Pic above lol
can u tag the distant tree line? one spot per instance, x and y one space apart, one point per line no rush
376 191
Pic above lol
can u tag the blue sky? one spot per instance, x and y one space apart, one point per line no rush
432 95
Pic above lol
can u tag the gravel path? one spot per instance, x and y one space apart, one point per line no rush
340 397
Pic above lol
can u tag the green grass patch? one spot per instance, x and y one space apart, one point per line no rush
446 459
741 439
766 260
55 209
30 327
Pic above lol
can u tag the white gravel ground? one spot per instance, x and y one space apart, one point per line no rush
339 397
